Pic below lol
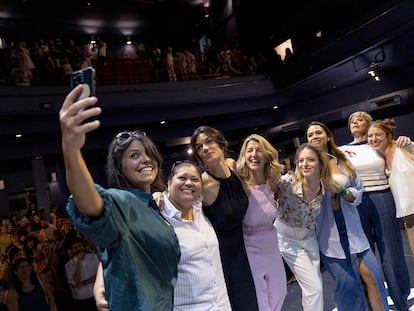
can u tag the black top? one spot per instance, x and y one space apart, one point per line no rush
226 215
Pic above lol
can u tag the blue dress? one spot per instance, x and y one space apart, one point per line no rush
226 215
139 250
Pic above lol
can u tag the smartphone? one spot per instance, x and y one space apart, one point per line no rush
86 77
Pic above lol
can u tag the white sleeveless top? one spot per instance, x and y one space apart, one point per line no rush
401 180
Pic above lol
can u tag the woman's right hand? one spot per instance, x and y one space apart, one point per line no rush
159 199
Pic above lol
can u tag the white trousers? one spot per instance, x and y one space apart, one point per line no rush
299 248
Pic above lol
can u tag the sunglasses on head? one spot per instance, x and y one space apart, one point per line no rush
127 134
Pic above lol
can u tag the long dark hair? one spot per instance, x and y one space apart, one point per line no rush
333 149
117 147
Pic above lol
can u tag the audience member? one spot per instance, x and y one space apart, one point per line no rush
47 230
191 65
344 248
5 238
225 202
400 170
377 208
20 71
81 274
29 291
31 209
182 64
169 61
29 247
102 52
258 164
133 170
156 62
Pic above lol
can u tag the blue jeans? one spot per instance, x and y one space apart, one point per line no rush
377 213
349 288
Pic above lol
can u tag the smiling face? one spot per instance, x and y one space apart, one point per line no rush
254 156
377 139
184 186
317 136
137 167
308 163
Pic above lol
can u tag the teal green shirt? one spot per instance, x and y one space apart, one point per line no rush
139 249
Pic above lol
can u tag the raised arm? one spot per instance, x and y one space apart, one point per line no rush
72 118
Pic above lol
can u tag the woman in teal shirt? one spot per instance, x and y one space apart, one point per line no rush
139 249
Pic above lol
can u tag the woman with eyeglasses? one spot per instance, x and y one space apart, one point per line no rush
200 281
225 201
258 164
139 249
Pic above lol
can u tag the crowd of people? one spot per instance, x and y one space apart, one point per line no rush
215 234
52 61
42 259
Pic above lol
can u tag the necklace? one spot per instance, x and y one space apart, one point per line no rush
310 194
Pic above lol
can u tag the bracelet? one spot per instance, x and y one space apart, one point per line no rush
343 191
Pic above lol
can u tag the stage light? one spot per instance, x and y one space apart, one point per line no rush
374 71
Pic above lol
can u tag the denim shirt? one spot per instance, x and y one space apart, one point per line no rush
138 249
326 229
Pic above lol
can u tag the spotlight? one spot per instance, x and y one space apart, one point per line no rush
128 42
374 71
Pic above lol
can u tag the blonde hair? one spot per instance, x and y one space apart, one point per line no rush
325 171
272 168
359 114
